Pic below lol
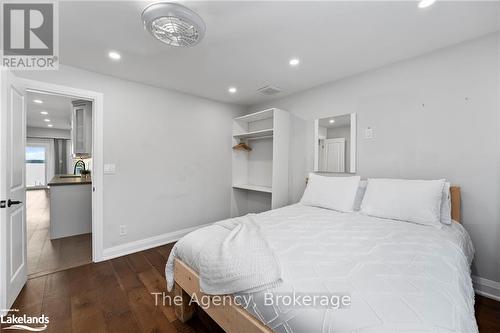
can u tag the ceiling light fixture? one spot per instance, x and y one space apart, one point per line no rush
173 24
114 55
37 101
50 125
294 62
232 90
332 121
426 3
44 113
47 120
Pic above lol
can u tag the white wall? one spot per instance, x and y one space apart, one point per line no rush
433 116
172 153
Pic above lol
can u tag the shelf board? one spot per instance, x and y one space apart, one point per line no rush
255 134
256 116
258 188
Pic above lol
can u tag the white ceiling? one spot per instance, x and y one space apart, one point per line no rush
58 107
248 44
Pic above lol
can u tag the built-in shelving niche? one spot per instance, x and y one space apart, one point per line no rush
260 176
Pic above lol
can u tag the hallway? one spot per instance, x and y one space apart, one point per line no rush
45 255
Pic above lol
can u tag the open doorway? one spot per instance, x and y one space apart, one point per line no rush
58 182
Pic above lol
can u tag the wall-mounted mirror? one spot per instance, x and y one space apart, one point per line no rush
335 144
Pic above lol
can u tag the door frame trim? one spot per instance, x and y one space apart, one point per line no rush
97 154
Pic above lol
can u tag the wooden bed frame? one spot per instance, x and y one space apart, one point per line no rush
231 317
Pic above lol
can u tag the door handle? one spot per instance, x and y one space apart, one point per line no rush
13 202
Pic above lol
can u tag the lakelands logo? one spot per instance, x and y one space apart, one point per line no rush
30 35
24 322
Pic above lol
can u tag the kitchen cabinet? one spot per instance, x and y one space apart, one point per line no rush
70 206
81 128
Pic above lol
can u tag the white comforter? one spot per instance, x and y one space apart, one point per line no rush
242 261
401 277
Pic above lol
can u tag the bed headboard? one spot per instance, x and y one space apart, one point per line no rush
455 203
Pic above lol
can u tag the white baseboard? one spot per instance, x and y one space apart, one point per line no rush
486 288
148 243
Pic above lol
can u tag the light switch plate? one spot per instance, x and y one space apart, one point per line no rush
109 169
369 133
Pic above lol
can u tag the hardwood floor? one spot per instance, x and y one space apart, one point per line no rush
487 314
111 296
115 296
46 255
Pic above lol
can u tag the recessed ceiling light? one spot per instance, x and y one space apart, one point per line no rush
114 55
426 3
44 113
50 125
294 62
232 90
332 121
37 101
47 120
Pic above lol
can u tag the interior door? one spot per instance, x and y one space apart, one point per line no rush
13 265
335 155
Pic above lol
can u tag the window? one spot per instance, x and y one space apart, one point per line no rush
35 166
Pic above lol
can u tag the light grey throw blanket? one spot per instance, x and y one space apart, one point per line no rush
243 262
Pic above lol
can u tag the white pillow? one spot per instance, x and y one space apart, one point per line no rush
417 201
335 193
446 204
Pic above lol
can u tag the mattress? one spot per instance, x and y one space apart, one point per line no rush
400 277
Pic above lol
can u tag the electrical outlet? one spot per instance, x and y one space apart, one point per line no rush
123 230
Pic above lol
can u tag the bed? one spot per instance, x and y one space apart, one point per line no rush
401 277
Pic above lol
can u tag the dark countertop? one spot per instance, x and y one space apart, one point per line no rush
69 180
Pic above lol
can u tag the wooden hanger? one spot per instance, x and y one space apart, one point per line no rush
242 146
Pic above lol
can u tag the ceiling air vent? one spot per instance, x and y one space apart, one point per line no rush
173 24
269 90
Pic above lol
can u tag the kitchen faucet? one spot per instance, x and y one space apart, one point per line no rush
79 164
